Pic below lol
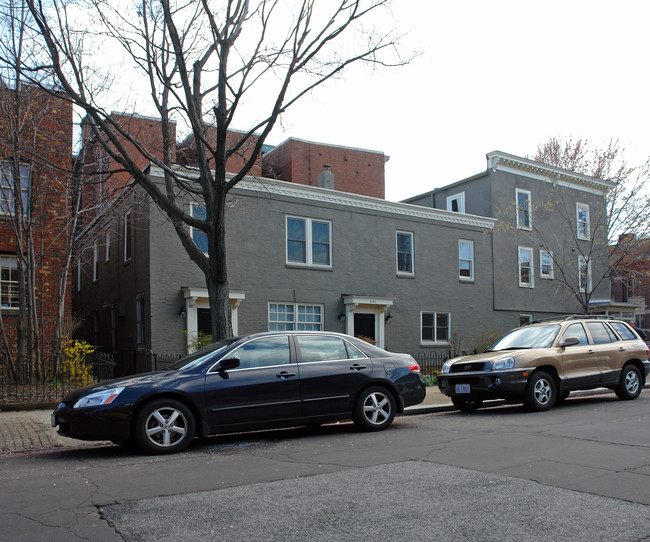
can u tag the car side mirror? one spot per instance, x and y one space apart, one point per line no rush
569 341
228 364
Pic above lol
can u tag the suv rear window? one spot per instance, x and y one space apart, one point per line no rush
623 331
600 333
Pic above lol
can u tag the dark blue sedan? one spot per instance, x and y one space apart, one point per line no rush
274 379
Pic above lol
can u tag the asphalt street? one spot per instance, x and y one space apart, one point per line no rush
578 472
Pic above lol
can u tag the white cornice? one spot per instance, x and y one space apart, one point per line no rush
501 161
334 197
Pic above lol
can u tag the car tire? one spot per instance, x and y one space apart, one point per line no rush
466 405
540 392
164 426
629 386
374 409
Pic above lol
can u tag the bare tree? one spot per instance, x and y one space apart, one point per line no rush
35 199
626 210
205 64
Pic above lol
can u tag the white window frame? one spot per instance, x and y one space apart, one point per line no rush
582 227
528 210
10 287
95 260
107 255
582 262
542 254
195 231
460 198
412 253
309 242
7 200
531 273
436 341
525 318
295 323
471 260
128 235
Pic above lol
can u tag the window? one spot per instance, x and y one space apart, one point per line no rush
525 319
523 208
456 203
95 260
526 267
466 260
309 242
9 282
584 274
313 348
128 236
576 330
582 221
623 330
108 246
139 320
293 316
8 201
545 264
199 236
600 333
405 252
435 327
264 352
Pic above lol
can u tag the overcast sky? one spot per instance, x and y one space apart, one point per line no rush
493 75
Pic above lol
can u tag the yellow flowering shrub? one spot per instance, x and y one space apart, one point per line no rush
75 368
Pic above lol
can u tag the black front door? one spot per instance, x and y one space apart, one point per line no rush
204 321
364 325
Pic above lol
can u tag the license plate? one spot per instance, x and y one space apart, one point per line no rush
53 420
462 388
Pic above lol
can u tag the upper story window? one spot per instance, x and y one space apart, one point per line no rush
526 267
584 274
128 236
294 316
8 199
456 203
465 259
582 221
108 246
523 200
95 260
199 237
405 253
309 242
434 327
545 264
9 282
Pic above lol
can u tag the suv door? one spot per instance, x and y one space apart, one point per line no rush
609 354
331 371
579 360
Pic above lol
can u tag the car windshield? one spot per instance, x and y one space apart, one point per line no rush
526 337
198 357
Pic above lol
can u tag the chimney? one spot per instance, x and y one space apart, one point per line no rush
326 178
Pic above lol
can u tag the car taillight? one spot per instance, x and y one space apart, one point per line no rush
414 368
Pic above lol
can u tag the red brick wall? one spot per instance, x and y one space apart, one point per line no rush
46 144
356 171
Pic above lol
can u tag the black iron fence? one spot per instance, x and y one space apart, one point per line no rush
431 362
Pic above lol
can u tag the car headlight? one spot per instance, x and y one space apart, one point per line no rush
104 397
445 368
501 364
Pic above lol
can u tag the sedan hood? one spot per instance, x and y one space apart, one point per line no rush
156 379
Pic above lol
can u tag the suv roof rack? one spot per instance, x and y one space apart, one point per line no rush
570 317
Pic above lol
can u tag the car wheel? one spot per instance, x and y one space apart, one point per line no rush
540 392
374 409
466 405
629 386
164 426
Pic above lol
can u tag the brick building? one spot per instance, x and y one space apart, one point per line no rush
36 146
630 279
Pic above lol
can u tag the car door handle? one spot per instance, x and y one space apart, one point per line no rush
285 374
357 367
622 349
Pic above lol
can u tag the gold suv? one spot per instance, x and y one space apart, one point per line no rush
540 363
